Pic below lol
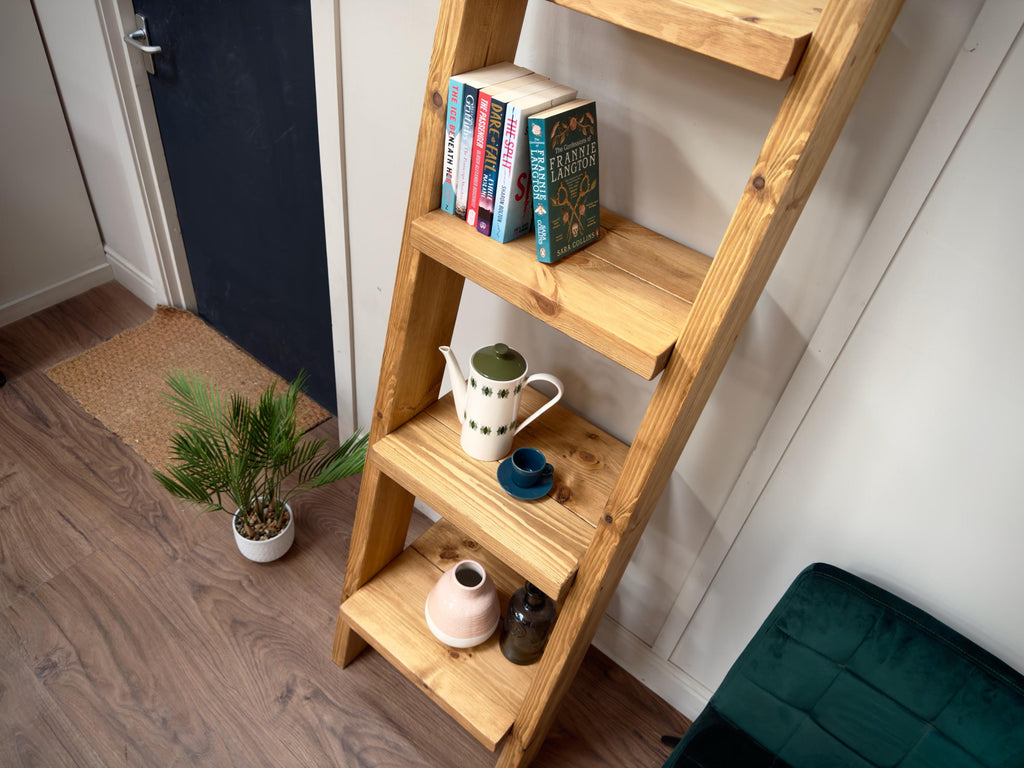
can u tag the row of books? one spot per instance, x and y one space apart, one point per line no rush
520 154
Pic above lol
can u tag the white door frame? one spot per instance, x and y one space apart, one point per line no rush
326 19
117 17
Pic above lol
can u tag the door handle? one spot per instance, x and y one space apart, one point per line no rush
139 39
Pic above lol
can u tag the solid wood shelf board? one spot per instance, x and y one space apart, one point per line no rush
444 545
587 460
535 538
767 38
544 539
626 296
478 686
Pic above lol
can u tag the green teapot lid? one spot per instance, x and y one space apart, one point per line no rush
499 363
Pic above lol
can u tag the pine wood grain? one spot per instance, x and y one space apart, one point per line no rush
650 280
443 545
543 539
587 459
477 686
839 58
381 527
692 344
135 634
469 34
766 38
539 539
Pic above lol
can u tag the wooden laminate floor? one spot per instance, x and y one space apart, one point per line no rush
132 633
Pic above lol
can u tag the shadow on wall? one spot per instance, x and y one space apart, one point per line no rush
615 400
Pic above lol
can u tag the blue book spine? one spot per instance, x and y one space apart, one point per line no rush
539 174
465 149
502 190
489 179
451 146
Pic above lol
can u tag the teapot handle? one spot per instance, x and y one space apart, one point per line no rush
558 396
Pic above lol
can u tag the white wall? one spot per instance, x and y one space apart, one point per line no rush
909 467
82 68
679 135
380 139
49 245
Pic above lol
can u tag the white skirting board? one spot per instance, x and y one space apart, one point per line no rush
128 275
660 675
24 306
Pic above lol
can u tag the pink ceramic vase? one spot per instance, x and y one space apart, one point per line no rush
462 608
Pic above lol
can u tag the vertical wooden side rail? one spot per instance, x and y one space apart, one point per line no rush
469 34
838 60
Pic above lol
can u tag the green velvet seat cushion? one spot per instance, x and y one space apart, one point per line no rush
843 674
704 746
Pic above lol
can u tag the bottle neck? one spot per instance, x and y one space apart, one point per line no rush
534 597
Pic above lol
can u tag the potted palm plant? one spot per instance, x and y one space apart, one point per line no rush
236 457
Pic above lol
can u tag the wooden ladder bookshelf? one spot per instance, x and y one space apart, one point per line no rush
687 311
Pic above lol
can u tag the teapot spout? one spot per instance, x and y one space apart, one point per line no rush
458 381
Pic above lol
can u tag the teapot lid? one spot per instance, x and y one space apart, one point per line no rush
499 363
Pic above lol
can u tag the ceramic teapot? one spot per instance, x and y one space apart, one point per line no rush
488 403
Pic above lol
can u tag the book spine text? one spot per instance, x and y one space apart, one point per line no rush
538 172
489 172
503 186
465 149
454 123
483 109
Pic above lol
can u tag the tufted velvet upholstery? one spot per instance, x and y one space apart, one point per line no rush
843 674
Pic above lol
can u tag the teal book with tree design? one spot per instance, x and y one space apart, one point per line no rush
564 173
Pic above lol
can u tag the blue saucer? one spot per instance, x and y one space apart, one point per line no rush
526 494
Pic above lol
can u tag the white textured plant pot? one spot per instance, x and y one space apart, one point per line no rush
269 549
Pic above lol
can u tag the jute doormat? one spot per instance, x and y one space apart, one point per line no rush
121 381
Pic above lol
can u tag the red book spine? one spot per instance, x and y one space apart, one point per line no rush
483 109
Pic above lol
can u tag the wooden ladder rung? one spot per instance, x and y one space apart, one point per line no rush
766 38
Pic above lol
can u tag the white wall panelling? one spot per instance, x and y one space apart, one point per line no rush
50 246
905 468
968 79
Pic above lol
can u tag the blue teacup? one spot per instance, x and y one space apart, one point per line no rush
529 467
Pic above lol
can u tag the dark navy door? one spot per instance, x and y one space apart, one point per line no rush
234 95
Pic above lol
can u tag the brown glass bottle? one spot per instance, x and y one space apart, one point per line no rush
528 622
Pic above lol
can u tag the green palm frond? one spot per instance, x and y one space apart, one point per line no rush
346 460
231 453
195 402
